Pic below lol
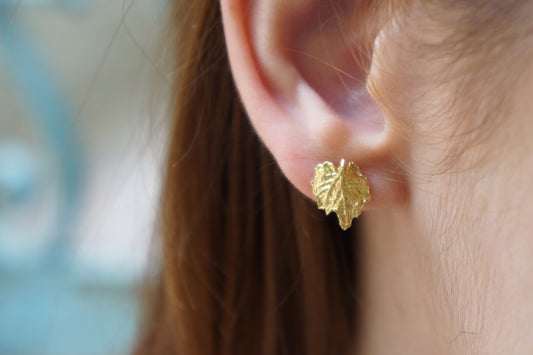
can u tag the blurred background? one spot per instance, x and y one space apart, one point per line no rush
83 94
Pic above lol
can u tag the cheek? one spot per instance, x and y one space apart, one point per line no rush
405 79
418 85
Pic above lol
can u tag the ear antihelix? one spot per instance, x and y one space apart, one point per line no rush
343 190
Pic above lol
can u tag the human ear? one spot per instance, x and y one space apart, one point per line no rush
303 74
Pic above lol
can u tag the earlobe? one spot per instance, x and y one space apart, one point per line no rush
303 84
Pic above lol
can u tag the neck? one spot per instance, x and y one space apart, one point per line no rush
459 284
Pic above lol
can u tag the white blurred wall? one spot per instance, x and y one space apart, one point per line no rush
107 58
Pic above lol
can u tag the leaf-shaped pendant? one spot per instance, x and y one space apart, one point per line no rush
343 190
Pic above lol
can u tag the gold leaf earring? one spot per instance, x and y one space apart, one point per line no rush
343 190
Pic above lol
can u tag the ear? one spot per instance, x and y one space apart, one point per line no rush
302 72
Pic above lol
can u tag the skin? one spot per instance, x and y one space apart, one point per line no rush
447 243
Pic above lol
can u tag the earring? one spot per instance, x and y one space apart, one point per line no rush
343 190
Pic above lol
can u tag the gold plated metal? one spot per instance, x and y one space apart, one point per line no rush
343 190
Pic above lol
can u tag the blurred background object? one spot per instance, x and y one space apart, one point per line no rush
82 137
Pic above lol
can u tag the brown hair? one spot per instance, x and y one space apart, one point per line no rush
250 266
